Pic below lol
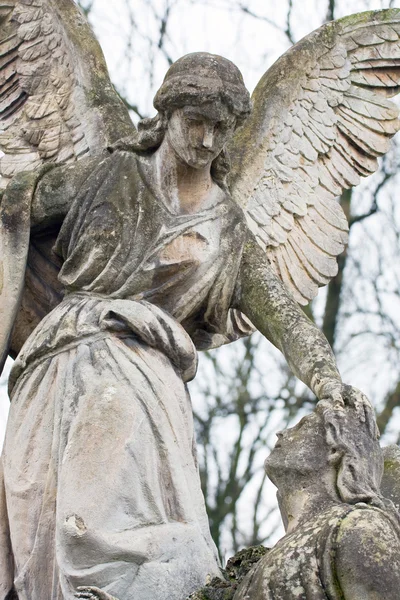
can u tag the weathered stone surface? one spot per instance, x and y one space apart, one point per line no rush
321 117
390 485
63 105
236 569
136 256
342 537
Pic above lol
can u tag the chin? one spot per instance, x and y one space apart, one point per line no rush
271 462
272 470
278 461
199 163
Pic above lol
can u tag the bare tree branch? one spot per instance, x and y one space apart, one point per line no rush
86 6
333 299
392 401
133 107
251 13
374 205
288 30
330 13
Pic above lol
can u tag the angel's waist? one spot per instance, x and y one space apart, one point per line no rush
83 318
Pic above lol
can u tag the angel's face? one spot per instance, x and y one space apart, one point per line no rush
198 134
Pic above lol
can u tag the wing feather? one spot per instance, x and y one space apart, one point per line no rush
321 119
49 91
57 105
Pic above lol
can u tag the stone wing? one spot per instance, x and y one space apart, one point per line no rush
57 103
321 119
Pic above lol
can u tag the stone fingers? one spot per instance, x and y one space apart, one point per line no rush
93 593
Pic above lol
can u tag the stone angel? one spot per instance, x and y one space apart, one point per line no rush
124 252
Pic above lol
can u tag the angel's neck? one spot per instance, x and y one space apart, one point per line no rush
187 189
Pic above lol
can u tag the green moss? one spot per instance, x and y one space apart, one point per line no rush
392 465
370 15
236 569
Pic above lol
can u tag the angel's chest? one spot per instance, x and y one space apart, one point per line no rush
189 249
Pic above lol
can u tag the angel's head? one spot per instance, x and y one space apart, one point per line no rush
336 447
201 102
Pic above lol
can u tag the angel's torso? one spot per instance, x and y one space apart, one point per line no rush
120 240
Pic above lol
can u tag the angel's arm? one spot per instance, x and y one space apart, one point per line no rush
56 191
266 302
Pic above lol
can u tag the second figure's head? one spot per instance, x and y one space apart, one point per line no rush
334 444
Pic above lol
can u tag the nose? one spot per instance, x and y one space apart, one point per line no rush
279 434
208 137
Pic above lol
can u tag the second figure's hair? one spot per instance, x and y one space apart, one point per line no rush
357 455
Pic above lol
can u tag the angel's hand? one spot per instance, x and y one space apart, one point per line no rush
332 390
93 593
127 144
346 395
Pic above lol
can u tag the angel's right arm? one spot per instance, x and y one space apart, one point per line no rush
56 191
272 310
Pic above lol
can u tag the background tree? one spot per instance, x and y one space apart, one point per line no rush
244 393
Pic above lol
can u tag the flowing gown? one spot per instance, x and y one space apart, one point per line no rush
101 484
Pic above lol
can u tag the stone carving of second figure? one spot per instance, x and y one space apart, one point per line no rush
342 537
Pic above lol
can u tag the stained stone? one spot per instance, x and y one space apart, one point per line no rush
236 569
124 252
390 485
342 538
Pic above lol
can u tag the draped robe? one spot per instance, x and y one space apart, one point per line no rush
101 484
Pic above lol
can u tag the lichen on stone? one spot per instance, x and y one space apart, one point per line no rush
236 569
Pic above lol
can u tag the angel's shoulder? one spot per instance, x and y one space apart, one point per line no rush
60 185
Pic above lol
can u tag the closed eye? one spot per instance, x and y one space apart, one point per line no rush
222 126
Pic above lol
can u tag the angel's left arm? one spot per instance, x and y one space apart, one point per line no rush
265 301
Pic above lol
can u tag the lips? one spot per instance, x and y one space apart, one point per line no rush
204 150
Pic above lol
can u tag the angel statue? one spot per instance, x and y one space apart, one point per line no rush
124 252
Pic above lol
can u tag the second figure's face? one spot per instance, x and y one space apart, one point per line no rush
198 134
299 450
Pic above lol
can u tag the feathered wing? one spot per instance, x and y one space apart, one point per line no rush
321 119
57 103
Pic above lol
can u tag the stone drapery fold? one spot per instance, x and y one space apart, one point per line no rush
100 410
